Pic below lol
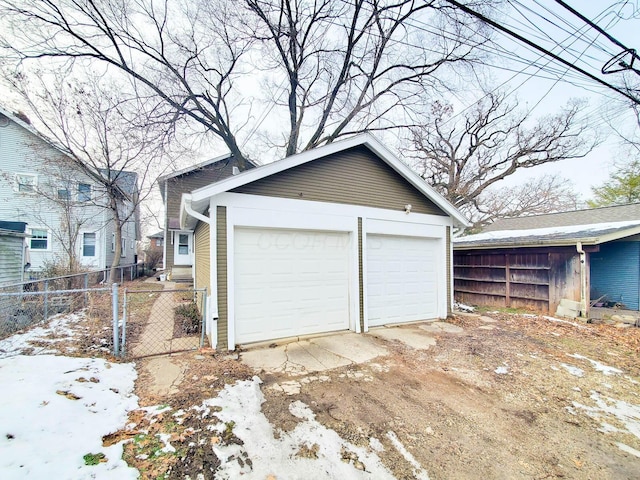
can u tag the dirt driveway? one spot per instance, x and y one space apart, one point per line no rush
520 397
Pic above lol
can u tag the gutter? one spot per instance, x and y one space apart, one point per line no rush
186 201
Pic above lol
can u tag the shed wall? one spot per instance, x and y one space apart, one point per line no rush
11 259
615 272
534 279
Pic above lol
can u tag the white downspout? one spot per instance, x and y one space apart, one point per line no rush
213 333
583 280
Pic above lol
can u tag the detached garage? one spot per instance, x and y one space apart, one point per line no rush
343 237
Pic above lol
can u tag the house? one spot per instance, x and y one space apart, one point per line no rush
65 210
13 255
178 243
536 262
154 252
342 237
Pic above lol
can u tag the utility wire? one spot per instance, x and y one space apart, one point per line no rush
503 29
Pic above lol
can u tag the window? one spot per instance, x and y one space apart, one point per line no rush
26 183
123 244
89 245
159 242
39 239
113 242
84 192
183 244
64 193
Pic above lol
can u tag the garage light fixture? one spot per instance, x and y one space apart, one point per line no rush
407 208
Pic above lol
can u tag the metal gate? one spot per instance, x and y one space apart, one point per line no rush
160 322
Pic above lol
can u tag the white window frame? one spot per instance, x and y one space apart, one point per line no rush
113 242
31 229
123 247
95 244
19 181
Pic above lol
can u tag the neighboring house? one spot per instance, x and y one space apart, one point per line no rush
535 262
34 189
342 237
178 243
154 253
13 254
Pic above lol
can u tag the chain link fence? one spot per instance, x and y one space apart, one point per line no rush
158 322
33 302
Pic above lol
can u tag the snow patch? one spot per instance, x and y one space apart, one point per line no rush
278 457
575 371
600 367
50 419
502 370
418 471
628 449
626 413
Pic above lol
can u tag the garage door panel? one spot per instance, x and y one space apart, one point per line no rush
290 283
401 279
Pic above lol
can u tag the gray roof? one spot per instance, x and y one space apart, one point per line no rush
590 227
616 213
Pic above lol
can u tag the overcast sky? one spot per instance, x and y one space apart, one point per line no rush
544 85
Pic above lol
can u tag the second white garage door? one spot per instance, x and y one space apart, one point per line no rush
290 283
401 279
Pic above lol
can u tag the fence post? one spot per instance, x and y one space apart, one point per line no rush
46 299
114 301
86 287
124 323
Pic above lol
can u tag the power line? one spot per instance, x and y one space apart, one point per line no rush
496 25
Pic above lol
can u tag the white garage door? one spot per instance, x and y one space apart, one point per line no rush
289 283
401 279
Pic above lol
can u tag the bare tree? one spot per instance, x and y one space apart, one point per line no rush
335 67
464 156
103 137
545 194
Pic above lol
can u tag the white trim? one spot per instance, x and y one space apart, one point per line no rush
278 205
213 274
366 140
365 290
230 262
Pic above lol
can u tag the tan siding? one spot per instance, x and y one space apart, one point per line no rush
356 176
449 270
221 258
360 274
202 256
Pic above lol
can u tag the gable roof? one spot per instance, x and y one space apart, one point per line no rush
589 227
200 198
198 166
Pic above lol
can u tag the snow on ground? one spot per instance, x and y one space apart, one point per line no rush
600 367
60 327
54 410
287 455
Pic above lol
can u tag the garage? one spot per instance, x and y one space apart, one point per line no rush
401 279
290 282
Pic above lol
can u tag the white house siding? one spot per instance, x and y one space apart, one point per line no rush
23 152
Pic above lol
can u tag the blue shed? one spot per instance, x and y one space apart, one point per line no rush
615 273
